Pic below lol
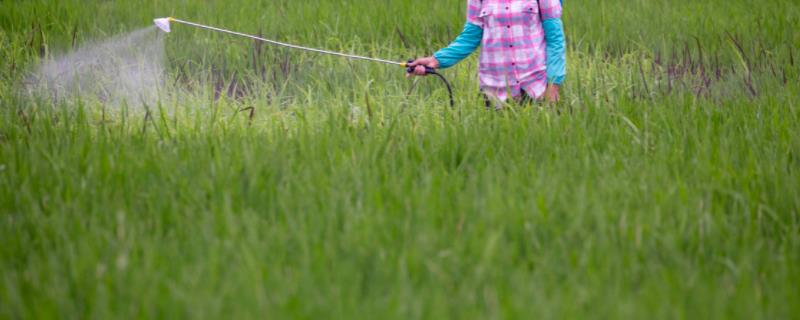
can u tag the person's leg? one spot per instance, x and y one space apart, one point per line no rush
487 102
491 101
525 99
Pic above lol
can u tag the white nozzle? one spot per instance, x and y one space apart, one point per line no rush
163 24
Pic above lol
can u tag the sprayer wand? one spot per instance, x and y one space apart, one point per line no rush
164 25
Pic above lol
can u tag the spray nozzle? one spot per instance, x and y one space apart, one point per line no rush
163 23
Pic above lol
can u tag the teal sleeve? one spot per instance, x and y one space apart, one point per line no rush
462 47
556 51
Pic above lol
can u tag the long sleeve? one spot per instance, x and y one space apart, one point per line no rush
556 50
462 47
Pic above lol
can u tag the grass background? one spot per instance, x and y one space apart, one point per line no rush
664 185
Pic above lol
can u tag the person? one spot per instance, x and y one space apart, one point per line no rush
522 49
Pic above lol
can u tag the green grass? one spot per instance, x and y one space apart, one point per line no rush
665 185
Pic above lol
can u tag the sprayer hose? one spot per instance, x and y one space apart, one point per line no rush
447 85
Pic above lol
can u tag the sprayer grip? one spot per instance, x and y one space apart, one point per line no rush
428 70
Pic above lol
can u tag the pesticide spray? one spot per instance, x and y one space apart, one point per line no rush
127 69
164 24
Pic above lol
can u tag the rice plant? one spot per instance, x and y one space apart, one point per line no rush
263 182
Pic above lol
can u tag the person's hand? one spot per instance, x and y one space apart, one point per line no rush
420 64
551 94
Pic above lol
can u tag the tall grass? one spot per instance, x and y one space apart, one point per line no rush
664 185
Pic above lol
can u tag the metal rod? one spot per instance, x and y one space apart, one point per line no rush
288 45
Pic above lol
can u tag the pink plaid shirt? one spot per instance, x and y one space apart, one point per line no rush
513 49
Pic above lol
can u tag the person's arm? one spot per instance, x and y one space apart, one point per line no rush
556 51
550 13
466 43
462 47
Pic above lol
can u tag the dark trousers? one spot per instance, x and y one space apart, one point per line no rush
525 101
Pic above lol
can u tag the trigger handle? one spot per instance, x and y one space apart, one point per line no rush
428 70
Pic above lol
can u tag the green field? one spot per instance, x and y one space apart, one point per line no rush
666 184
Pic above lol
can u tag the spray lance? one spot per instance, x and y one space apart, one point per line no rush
164 25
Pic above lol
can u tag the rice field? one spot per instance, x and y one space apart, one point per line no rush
267 183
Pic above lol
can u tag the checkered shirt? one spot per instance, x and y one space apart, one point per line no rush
513 49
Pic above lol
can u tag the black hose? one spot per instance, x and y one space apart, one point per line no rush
446 84
429 70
